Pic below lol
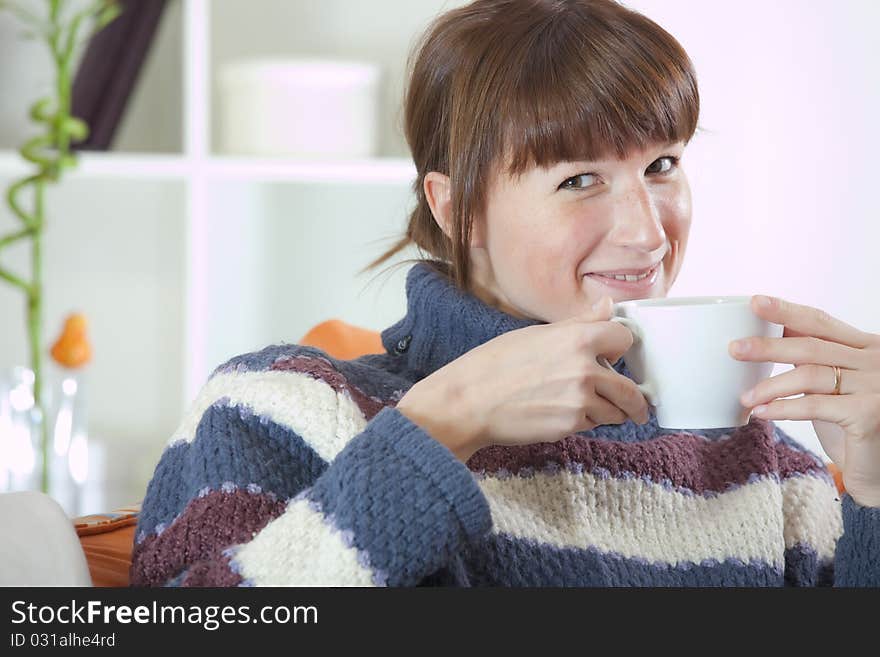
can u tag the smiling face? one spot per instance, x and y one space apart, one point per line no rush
545 234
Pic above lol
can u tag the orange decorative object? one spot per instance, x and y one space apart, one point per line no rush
72 349
342 340
838 477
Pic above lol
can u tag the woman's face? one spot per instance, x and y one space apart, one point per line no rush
545 235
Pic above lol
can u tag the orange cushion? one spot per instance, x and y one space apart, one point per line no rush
342 340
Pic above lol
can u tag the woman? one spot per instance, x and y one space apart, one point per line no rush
488 446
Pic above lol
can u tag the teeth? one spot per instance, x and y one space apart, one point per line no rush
627 277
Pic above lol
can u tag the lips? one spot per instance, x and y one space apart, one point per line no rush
621 272
629 289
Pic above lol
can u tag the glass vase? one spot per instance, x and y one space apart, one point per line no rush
21 455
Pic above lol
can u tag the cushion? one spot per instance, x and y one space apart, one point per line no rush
342 340
38 545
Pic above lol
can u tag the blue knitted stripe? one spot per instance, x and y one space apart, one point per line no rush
858 550
502 560
804 568
406 531
231 446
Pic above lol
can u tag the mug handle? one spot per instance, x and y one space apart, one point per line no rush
646 389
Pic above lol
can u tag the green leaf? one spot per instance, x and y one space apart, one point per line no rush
39 111
76 128
67 161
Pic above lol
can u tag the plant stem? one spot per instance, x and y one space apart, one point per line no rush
14 280
14 237
34 321
51 153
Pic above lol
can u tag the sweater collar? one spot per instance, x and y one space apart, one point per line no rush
443 322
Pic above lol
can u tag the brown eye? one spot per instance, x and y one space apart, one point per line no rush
673 162
576 182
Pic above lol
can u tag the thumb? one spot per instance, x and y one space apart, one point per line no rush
601 310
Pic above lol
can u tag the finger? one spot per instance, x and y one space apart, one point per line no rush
602 411
623 394
808 379
608 339
806 320
798 351
602 310
831 408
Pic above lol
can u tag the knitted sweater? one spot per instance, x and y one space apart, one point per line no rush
295 468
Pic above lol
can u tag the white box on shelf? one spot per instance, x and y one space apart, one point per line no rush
318 108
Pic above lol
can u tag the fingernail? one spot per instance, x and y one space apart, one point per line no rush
759 410
762 301
598 303
740 346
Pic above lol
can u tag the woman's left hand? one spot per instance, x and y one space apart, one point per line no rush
847 424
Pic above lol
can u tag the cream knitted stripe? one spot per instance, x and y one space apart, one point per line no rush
639 519
325 419
302 548
813 514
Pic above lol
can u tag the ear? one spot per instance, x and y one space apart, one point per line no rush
438 192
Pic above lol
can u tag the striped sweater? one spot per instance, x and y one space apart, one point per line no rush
295 468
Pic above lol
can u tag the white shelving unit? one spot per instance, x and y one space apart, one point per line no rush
225 254
199 171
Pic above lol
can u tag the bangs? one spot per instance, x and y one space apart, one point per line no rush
595 88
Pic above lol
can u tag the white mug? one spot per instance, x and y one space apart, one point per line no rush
680 359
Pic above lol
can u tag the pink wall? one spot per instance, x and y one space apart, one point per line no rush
785 186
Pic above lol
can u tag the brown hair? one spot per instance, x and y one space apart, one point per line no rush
532 82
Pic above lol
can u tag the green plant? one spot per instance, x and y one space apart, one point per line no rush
51 155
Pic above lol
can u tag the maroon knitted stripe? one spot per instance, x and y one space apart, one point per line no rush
321 369
207 525
685 460
212 573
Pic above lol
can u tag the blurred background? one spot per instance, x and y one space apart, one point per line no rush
258 162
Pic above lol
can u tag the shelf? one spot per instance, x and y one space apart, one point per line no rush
106 165
146 166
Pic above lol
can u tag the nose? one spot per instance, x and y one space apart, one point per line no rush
637 221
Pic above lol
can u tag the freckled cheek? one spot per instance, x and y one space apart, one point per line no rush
544 260
672 204
676 226
675 213
584 238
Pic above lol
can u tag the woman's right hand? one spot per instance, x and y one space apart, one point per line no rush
535 384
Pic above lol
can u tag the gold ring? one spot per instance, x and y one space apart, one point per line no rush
836 380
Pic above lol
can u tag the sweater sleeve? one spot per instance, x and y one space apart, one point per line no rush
857 559
260 507
830 539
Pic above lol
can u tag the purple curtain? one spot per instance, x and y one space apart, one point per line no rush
109 70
